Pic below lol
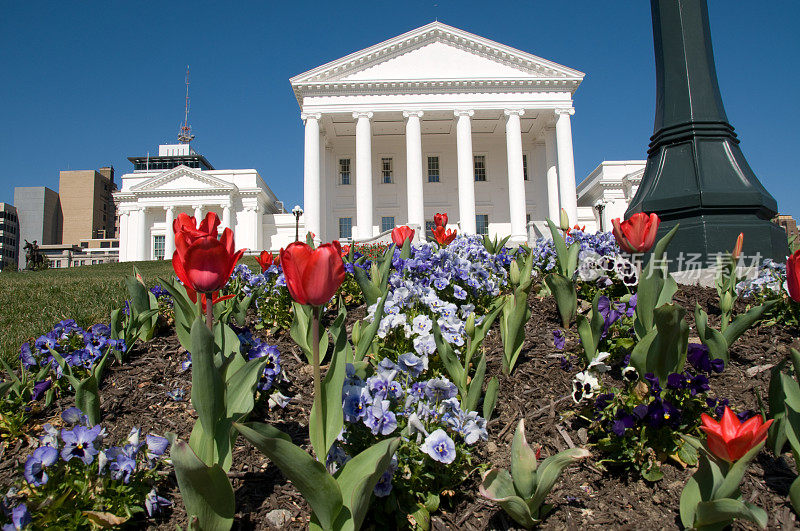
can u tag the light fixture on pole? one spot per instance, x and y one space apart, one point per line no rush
297 211
600 206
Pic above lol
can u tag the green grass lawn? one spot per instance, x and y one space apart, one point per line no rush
32 302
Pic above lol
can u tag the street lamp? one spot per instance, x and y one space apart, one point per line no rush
297 211
600 205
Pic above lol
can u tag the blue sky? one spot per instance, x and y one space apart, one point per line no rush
85 84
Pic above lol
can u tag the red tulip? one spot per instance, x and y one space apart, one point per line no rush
265 260
313 275
793 276
186 232
401 234
440 220
730 439
345 250
636 234
206 264
444 237
737 249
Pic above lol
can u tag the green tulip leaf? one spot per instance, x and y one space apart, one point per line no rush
473 394
207 493
725 510
369 331
498 486
566 297
308 475
490 398
523 463
208 389
744 321
331 400
709 336
358 477
729 487
549 471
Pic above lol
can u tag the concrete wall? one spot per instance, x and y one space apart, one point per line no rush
87 205
39 214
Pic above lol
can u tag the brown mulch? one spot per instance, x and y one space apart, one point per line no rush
134 394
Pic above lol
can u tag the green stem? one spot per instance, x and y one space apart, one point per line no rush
318 420
209 313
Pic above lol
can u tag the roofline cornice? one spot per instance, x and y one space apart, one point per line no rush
435 31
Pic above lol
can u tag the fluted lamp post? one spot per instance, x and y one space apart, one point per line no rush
297 211
696 175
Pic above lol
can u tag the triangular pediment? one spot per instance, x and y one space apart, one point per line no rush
437 52
183 178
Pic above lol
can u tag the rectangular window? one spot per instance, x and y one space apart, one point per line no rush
386 170
344 171
525 166
482 224
387 223
158 247
479 162
429 226
433 169
345 228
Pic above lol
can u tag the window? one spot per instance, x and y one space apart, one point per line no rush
525 166
387 223
479 163
429 226
386 170
482 224
344 171
345 228
158 247
433 169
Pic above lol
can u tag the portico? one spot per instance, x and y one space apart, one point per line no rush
436 120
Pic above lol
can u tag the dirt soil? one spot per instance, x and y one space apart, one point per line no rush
135 394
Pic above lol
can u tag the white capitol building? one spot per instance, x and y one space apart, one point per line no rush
434 120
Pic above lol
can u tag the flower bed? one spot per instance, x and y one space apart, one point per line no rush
407 386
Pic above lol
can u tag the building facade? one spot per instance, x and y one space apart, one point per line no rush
9 237
87 205
39 215
789 225
179 180
437 120
605 193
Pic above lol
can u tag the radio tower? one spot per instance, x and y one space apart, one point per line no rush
185 136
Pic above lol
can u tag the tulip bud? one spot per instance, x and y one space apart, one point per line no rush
469 327
375 272
564 222
726 303
514 273
737 249
356 333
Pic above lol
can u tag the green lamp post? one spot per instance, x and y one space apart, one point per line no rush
696 175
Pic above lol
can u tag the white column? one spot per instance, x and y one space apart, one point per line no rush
363 174
169 233
566 164
550 157
416 206
312 194
466 172
226 216
198 213
516 175
123 234
143 240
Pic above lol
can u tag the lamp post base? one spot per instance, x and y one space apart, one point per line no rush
702 238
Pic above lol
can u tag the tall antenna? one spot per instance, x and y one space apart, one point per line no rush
186 136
